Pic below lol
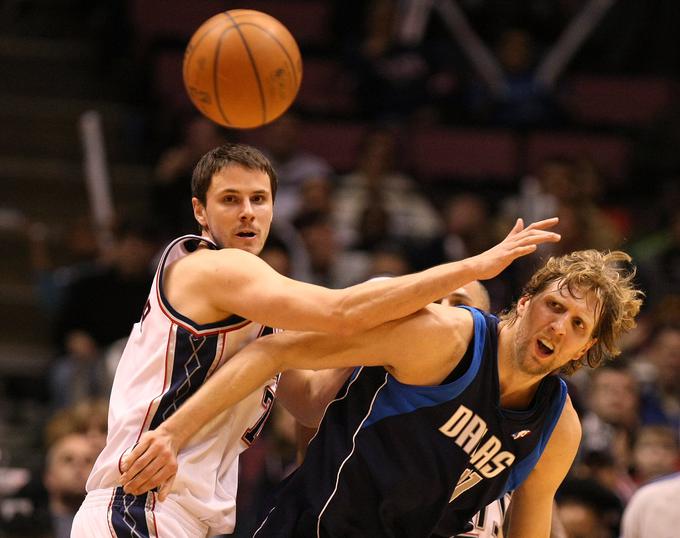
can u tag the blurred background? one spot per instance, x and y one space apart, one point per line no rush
421 131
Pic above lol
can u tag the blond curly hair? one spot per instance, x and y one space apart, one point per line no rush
609 275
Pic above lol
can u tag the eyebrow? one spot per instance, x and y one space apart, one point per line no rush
236 191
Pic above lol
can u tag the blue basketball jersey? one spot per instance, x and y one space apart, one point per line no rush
396 460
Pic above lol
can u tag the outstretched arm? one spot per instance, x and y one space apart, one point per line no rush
532 503
443 336
237 282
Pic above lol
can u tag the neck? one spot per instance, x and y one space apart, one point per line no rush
517 388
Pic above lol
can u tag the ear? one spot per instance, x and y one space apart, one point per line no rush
522 304
199 212
585 348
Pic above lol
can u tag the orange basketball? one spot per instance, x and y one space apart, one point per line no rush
242 68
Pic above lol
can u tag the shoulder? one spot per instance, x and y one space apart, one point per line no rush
211 272
443 334
208 263
447 321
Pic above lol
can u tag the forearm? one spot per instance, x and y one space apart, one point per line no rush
242 375
373 303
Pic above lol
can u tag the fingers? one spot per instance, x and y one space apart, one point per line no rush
137 451
165 488
518 227
134 464
543 224
151 478
538 236
150 463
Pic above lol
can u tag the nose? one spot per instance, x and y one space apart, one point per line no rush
558 325
247 213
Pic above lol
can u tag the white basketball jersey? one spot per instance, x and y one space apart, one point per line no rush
166 359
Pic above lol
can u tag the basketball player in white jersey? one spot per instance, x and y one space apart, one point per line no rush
211 295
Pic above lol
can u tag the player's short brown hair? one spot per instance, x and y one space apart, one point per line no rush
216 159
609 275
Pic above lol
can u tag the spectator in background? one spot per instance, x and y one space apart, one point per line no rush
655 453
377 180
171 180
611 422
68 464
303 176
653 510
392 75
58 259
522 100
467 230
87 417
658 368
389 260
329 264
84 329
587 509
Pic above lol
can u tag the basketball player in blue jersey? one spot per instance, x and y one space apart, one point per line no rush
451 409
211 295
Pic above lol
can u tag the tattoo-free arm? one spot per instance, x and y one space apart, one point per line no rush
532 503
238 282
392 345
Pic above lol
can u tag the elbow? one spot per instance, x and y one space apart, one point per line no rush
347 324
347 320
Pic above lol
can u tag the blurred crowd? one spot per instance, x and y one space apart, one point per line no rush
377 217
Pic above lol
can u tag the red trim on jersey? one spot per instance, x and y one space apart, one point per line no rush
168 314
109 521
217 362
165 385
153 515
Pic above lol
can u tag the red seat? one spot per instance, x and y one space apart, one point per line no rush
610 153
338 143
444 153
617 101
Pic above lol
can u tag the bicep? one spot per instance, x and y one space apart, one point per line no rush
243 284
391 345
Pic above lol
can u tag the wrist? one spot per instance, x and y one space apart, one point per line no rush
176 433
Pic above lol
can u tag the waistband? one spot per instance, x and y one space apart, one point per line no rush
116 499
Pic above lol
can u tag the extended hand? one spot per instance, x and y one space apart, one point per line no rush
150 464
519 242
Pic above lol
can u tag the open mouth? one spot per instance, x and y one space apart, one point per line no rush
248 235
544 347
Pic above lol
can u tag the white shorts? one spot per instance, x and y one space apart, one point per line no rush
110 513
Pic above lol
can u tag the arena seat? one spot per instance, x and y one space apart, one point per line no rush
338 143
471 154
617 101
610 153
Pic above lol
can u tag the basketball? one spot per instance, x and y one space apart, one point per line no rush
242 68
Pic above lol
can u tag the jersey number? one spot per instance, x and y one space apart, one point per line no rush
267 401
468 479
